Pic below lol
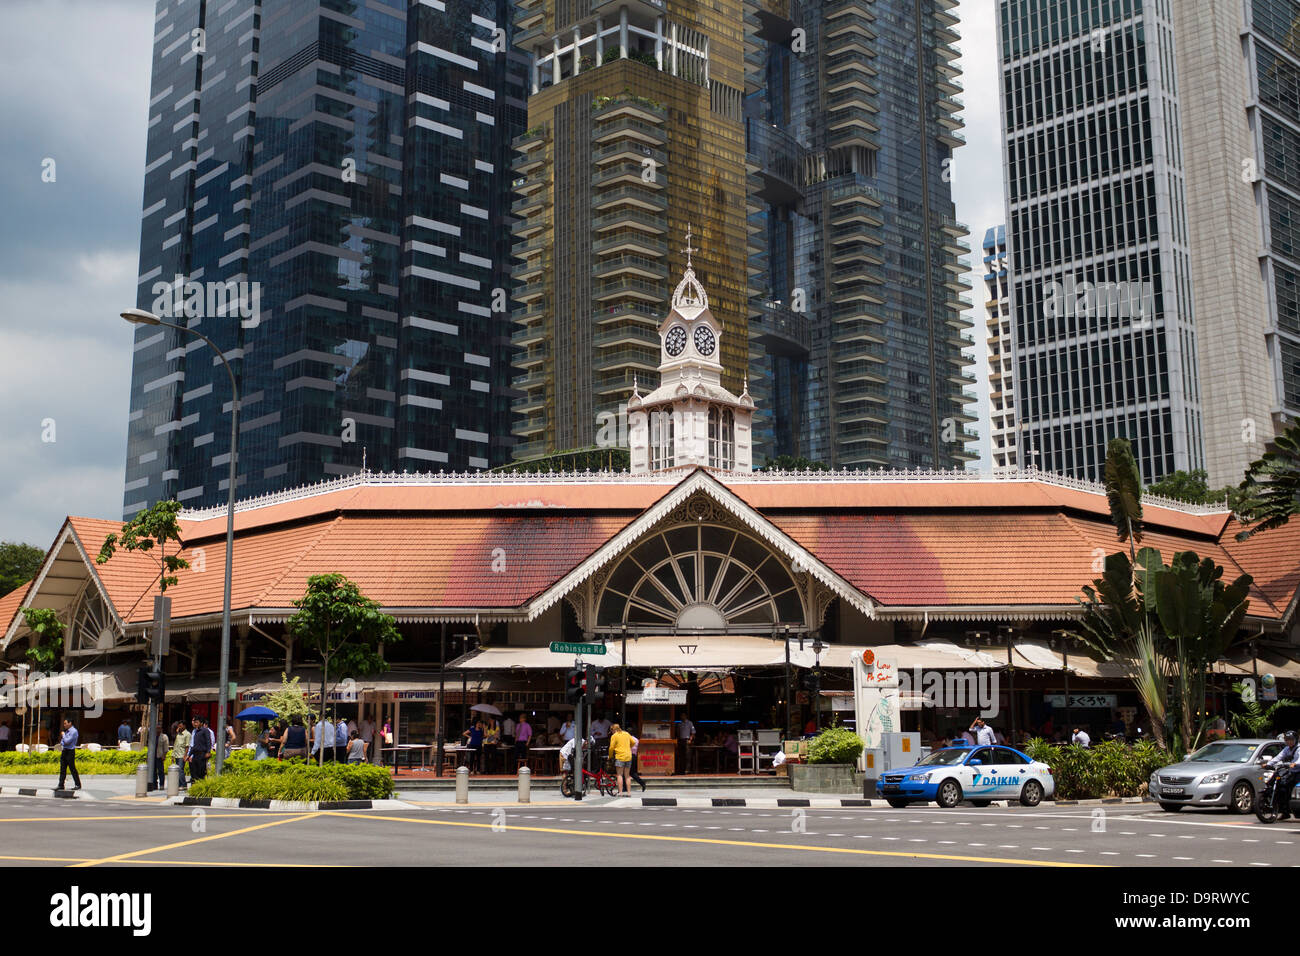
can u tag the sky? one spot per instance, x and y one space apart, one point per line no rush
76 80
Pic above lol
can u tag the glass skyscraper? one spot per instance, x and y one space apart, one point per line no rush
855 277
327 198
1097 233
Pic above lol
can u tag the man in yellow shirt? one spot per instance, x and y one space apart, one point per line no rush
620 749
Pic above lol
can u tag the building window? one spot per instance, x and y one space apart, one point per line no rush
722 438
661 440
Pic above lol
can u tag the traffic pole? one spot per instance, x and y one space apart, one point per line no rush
579 740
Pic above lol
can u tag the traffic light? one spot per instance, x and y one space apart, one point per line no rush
151 686
576 686
602 687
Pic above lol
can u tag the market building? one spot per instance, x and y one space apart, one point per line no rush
718 592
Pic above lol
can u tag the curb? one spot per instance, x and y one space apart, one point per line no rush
45 792
1098 802
292 806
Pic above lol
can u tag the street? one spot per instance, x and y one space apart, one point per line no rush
43 832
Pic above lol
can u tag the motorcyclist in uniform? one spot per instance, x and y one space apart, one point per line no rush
1287 765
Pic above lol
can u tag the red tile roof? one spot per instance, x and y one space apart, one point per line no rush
497 544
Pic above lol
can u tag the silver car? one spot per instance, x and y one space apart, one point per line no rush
1223 773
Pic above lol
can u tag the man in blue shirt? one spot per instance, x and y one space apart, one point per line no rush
68 755
341 740
201 744
124 732
324 737
1287 764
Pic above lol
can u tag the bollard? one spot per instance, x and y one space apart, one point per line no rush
141 780
462 784
525 784
173 780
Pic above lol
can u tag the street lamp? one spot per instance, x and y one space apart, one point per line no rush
141 317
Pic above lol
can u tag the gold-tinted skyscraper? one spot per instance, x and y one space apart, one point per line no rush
635 131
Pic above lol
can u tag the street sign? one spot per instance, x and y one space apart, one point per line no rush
162 626
558 647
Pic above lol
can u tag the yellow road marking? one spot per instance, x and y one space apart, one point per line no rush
853 851
47 859
82 859
123 857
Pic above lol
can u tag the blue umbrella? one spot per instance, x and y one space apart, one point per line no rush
257 713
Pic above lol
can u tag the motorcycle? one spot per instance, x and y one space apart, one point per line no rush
1267 807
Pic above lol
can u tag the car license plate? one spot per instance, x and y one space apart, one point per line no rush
889 788
1173 791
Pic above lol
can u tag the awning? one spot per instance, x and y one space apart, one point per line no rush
531 658
1032 655
928 655
193 690
78 689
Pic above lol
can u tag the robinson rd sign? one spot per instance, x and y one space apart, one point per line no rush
558 647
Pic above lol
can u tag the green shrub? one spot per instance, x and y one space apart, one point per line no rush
835 745
1111 768
291 779
113 762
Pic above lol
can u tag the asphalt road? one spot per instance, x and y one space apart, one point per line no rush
41 832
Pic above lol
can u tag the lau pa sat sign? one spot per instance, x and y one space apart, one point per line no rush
558 647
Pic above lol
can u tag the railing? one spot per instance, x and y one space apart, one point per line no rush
855 476
626 215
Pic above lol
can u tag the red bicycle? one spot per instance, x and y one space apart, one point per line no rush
602 780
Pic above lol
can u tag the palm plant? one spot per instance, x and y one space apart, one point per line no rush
1255 721
1124 493
1271 488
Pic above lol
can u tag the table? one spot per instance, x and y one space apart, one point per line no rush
712 751
410 753
549 756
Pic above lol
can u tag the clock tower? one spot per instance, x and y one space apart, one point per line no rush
690 419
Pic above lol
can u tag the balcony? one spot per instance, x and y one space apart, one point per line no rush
628 128
630 241
625 287
859 229
631 265
634 335
528 336
532 138
858 330
780 330
860 292
852 135
857 272
532 425
529 449
530 291
849 61
630 217
530 204
636 196
645 360
631 173
854 96
621 382
532 270
628 312
628 150
534 401
533 225
531 162
636 107
855 252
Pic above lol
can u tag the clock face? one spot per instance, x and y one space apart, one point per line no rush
704 343
675 340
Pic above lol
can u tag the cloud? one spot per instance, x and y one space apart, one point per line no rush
76 75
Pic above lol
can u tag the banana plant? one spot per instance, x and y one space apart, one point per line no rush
1271 488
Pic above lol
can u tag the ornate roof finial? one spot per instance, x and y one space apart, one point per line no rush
688 250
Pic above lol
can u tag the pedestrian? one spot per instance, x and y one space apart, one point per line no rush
685 737
984 735
507 731
600 727
4 735
636 742
366 731
68 755
323 739
620 750
124 732
202 743
1081 738
523 737
161 746
568 729
294 741
356 748
342 740
180 746
552 724
474 740
230 738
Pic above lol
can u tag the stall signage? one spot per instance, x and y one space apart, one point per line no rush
559 647
1082 701
657 695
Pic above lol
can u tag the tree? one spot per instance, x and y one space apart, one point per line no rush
1271 488
1170 623
1124 492
46 626
289 701
18 564
794 463
152 527
1255 721
344 626
1193 487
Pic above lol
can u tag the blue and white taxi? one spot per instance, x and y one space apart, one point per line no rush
980 774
